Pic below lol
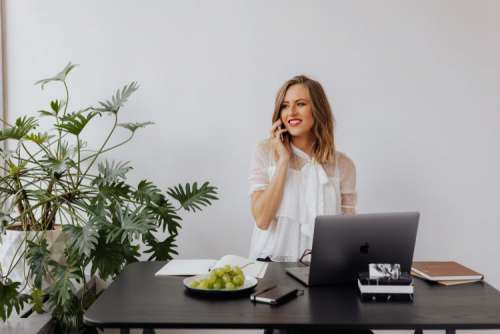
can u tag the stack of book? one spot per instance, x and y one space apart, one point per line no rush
385 289
445 272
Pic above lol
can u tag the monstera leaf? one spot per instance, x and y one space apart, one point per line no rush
38 257
61 76
38 138
160 250
114 191
21 128
165 215
84 238
11 299
74 123
55 106
117 100
147 192
111 172
134 126
129 225
108 258
191 198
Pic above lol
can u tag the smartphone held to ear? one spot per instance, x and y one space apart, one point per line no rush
284 135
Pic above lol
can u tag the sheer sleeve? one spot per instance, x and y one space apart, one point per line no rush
347 183
259 179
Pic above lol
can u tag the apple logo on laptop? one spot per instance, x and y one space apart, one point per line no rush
364 248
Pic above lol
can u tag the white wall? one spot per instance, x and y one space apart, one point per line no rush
414 86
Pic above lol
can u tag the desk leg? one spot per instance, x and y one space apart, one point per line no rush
448 331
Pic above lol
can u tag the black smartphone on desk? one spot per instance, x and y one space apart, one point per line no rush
275 295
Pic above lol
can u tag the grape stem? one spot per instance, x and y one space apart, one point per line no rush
249 263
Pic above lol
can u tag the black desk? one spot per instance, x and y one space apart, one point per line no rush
138 299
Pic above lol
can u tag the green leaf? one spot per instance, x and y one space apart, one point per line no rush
68 317
165 215
83 238
96 207
46 113
56 166
38 258
63 289
109 258
55 105
134 126
16 170
114 191
74 123
11 299
64 303
147 192
37 298
21 128
117 100
61 76
191 198
38 138
60 163
160 250
111 172
129 225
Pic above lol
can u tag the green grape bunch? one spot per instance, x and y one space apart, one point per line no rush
225 278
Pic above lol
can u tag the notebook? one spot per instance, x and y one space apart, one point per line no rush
203 266
444 271
447 283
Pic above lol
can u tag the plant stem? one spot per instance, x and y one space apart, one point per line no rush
14 262
109 148
78 164
33 160
50 144
26 207
43 148
67 97
100 150
73 216
61 196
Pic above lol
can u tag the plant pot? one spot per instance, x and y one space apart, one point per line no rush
15 241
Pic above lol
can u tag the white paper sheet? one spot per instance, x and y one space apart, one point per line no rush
202 266
186 267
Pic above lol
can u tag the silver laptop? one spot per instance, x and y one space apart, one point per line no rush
344 245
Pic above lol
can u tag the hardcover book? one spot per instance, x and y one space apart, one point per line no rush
444 271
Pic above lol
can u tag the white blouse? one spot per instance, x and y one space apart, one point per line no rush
311 189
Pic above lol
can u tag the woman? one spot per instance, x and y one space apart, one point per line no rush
297 174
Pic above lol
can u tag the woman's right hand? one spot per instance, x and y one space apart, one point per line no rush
281 148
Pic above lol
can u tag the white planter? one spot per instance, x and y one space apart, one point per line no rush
10 243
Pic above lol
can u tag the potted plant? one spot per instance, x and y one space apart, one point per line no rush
67 215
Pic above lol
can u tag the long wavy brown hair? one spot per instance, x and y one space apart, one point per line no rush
324 144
